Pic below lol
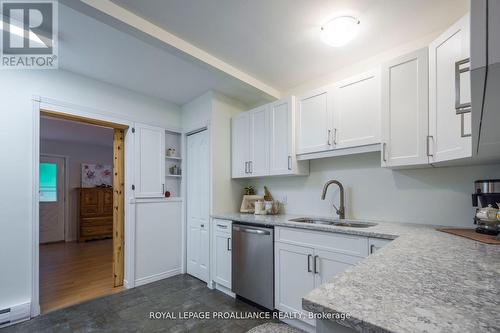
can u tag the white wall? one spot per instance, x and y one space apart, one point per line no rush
16 153
76 154
216 110
431 196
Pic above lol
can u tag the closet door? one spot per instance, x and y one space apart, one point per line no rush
197 205
149 161
449 131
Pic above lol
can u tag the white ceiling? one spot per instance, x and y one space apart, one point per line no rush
70 131
104 52
277 41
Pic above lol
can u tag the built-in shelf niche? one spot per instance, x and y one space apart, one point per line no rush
173 182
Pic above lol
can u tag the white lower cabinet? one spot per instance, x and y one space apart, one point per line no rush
305 259
221 250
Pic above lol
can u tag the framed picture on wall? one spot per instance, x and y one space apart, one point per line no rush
96 175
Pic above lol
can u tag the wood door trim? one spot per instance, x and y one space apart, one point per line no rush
80 119
118 206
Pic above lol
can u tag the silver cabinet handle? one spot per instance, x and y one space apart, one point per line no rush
316 264
309 263
289 162
384 148
229 244
335 136
429 145
372 248
202 225
222 226
250 167
460 108
163 188
462 126
246 167
329 132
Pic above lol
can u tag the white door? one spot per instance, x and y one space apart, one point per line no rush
405 110
240 145
356 111
450 132
314 122
259 142
329 264
197 202
281 123
294 276
149 161
52 199
222 260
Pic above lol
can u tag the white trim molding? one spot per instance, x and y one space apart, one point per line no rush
158 277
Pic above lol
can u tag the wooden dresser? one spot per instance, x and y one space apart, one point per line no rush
96 213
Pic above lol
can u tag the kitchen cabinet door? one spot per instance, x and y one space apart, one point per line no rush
281 125
328 264
375 244
222 258
314 121
149 151
294 277
449 132
240 145
356 111
405 110
259 142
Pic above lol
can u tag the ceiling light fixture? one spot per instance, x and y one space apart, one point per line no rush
340 30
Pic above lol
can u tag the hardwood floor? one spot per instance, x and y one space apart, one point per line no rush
71 273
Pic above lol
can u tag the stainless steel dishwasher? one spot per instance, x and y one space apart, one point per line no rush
253 263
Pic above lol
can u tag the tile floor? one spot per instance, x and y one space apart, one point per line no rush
128 311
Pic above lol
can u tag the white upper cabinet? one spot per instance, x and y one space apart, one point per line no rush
240 145
259 142
263 141
149 161
283 160
281 122
356 111
405 110
449 94
314 118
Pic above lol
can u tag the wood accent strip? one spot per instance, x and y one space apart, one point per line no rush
70 117
118 206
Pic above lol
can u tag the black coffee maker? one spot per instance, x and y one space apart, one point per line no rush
487 192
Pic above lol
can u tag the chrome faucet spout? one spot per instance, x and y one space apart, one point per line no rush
341 209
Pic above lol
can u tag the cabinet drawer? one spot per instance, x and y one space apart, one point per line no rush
98 221
335 242
89 210
222 226
99 230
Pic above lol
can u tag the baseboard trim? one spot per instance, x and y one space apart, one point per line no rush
225 290
15 314
157 277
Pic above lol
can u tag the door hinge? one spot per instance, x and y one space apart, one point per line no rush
133 129
133 187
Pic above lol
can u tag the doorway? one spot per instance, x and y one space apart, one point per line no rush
81 250
198 201
52 199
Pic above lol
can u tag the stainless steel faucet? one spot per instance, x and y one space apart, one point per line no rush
341 209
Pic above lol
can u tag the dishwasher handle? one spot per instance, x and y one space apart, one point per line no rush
251 230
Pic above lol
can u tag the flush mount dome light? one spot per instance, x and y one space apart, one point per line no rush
340 30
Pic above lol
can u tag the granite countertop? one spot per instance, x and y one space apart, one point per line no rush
423 281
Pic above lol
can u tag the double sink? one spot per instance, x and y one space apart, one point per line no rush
334 222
